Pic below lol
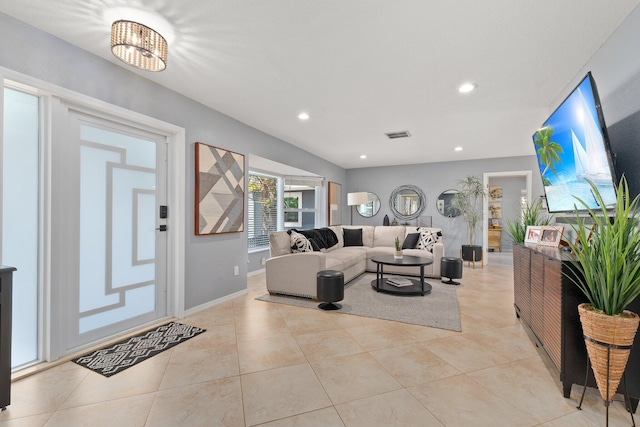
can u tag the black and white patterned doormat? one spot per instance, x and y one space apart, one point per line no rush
120 356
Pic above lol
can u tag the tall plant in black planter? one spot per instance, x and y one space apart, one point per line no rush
471 194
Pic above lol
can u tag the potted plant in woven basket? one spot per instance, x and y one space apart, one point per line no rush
609 276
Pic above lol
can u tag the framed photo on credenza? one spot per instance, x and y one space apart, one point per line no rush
551 236
533 234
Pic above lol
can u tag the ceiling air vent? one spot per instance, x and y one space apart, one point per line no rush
401 134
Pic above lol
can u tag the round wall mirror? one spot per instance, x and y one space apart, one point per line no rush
444 203
407 202
371 207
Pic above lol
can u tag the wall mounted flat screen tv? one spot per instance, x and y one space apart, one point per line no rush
572 147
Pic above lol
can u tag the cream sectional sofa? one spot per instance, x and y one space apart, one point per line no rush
295 273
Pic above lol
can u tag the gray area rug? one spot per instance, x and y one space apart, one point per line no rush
439 309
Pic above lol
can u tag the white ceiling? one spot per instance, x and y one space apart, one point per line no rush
361 68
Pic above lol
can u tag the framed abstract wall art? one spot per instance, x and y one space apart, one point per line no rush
495 210
495 193
334 208
219 190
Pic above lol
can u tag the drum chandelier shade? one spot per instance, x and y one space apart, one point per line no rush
360 198
138 45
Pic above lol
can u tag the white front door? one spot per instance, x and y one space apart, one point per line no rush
109 250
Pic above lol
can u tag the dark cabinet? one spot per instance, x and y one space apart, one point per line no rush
6 289
546 300
521 285
552 319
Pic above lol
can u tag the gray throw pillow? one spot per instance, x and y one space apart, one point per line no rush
411 241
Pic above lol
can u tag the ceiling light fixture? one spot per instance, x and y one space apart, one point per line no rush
467 87
363 156
138 45
303 116
458 149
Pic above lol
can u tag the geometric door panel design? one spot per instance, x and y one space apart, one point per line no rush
219 190
118 199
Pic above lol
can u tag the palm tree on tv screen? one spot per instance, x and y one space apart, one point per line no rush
548 151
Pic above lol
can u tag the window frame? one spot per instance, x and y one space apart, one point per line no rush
251 223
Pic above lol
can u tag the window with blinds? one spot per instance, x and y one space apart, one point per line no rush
279 203
263 202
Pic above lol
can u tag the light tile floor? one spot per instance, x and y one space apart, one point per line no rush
273 365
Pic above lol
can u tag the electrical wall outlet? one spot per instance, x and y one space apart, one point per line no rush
263 261
236 270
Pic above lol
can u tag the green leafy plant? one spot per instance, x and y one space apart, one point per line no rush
609 254
268 189
532 214
468 200
398 245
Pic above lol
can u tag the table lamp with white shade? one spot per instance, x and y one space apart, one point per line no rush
359 198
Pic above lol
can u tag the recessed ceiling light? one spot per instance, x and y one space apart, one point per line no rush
458 149
467 87
303 116
364 156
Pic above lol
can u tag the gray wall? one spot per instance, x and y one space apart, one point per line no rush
433 178
255 260
625 144
209 259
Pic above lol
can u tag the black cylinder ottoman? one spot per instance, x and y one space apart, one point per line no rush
451 268
330 288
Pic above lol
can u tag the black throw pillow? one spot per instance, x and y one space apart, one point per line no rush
411 241
352 237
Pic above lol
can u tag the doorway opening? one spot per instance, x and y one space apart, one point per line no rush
502 179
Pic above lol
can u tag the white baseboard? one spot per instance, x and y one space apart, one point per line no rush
255 272
213 303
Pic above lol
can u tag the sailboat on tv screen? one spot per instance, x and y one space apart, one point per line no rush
591 160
